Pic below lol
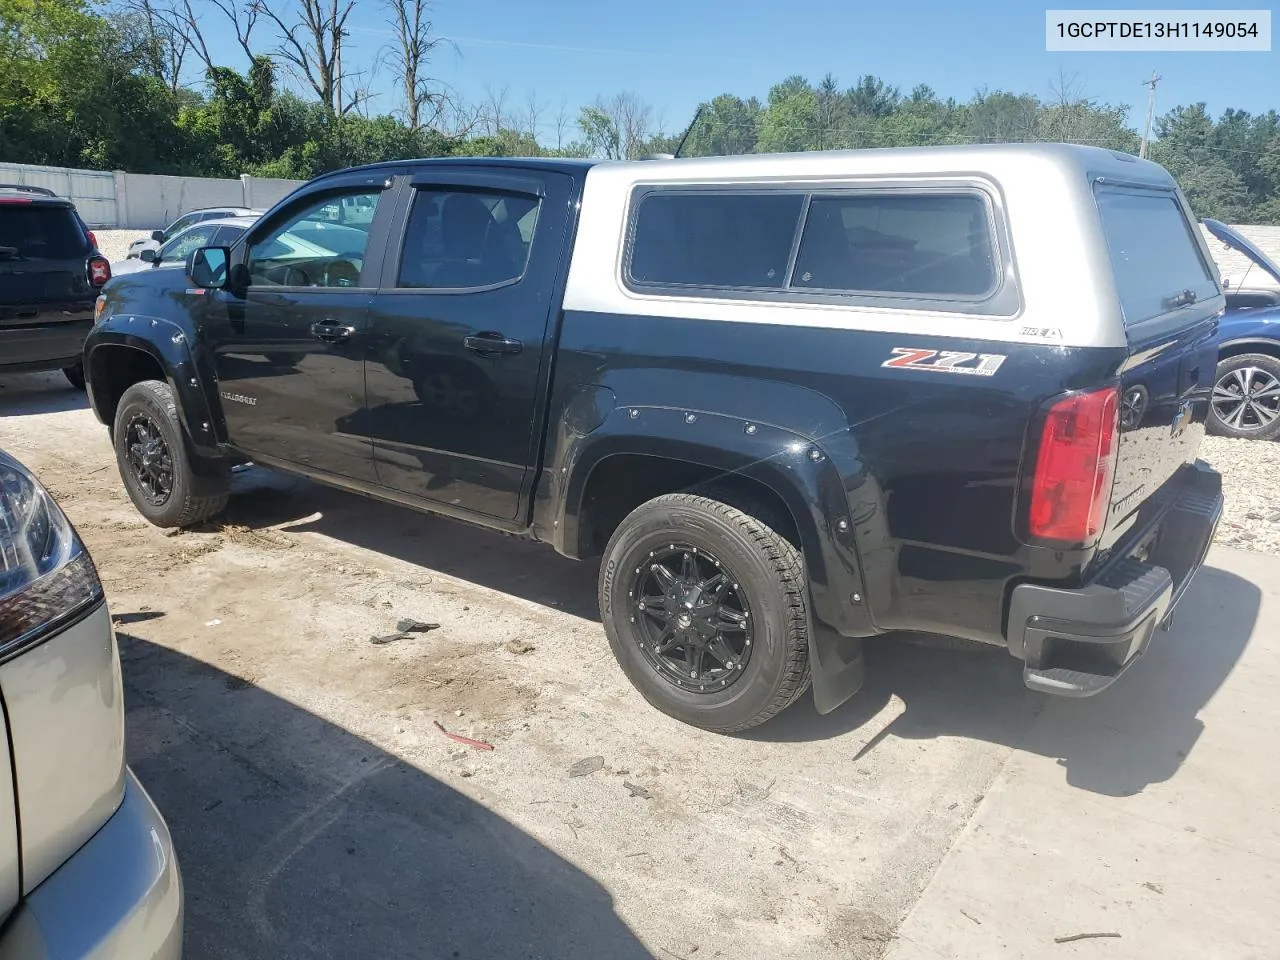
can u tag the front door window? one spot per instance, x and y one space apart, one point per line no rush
312 248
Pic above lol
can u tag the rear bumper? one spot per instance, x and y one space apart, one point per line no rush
44 346
1077 642
120 895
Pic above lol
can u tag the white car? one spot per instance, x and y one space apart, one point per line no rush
87 865
159 237
221 232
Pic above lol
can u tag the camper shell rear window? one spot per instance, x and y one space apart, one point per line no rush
1155 258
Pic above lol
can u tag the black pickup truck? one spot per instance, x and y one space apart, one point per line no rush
792 401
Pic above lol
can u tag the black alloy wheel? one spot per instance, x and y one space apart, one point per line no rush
149 459
705 605
694 622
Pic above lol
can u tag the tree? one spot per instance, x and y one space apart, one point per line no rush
790 122
310 35
409 58
1186 146
725 127
619 128
1001 117
872 97
71 81
601 132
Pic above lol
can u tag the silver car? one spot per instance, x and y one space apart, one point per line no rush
191 218
87 867
220 232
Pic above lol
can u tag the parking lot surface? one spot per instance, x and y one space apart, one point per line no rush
319 811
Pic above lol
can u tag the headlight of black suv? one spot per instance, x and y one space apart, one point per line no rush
47 580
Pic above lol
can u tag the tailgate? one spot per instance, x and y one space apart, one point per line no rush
1171 303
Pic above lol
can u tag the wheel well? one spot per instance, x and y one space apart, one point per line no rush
620 483
113 370
1269 347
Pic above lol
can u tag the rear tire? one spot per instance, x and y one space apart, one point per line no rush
168 485
760 601
75 375
1246 398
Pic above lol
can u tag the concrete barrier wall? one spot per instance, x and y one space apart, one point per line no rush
262 193
145 201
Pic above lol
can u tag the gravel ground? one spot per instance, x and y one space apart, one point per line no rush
114 244
1249 470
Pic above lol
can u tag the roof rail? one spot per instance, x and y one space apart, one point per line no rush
25 188
658 156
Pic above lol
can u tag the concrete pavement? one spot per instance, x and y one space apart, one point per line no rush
1151 811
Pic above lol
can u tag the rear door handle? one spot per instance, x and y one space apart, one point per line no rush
331 331
492 344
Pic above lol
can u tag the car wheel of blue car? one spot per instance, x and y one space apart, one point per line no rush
1246 397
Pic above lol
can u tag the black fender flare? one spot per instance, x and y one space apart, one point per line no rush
820 480
172 347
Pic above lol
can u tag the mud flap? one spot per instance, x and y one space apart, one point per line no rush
836 664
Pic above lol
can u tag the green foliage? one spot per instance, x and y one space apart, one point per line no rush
82 85
1229 168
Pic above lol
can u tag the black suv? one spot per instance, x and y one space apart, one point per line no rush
50 275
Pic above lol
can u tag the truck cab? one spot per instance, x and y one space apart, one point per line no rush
790 401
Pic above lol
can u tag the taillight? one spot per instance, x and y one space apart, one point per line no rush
93 238
99 271
1071 487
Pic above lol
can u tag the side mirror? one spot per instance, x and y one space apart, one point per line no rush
207 267
149 256
157 236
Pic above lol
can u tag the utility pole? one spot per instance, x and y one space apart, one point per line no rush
1151 106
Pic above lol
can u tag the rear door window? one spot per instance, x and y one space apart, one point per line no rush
1154 255
39 232
740 240
467 239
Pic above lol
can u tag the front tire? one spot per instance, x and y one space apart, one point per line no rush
1246 398
169 486
705 607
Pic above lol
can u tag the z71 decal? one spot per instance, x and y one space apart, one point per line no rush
945 361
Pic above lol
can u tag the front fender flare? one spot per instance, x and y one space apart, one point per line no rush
171 346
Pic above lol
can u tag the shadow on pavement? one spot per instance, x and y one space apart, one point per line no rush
298 839
1116 743
39 393
521 568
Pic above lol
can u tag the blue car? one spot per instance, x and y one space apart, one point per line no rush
1246 390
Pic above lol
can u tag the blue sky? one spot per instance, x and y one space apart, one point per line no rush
675 53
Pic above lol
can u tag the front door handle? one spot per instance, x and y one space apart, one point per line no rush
492 344
331 331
